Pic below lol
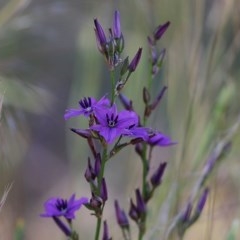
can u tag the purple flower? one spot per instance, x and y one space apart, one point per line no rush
116 25
87 106
133 65
112 124
57 207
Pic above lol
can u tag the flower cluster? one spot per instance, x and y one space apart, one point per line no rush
109 131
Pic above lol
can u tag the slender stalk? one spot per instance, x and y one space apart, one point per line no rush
100 177
98 227
112 76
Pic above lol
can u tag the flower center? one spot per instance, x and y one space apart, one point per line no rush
61 204
86 104
112 120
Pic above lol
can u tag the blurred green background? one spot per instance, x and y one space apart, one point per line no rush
49 60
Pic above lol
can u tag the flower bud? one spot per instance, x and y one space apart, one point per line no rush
133 65
121 216
202 200
160 30
103 191
100 36
117 25
157 176
105 231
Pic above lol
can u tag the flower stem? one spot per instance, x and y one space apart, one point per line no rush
112 75
100 177
98 227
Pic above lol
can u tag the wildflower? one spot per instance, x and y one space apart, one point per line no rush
112 124
87 106
57 207
133 65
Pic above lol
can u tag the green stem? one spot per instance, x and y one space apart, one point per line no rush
112 76
98 227
100 177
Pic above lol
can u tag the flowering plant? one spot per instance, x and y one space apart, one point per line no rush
113 130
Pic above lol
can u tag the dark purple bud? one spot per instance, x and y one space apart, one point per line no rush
81 132
146 95
187 213
202 200
141 206
160 30
117 25
156 178
100 36
127 103
105 231
133 211
159 97
103 190
97 165
133 65
67 231
89 173
121 216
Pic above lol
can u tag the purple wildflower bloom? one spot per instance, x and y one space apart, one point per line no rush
57 207
112 124
87 106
